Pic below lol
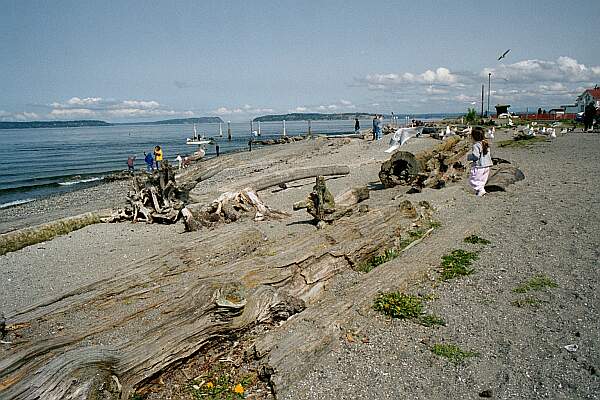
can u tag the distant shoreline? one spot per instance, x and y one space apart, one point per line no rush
96 123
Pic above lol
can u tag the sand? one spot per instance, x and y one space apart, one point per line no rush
546 225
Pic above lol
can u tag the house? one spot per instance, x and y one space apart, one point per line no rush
588 96
502 109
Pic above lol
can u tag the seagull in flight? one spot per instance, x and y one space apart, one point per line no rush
503 55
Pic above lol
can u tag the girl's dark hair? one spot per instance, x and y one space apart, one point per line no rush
478 136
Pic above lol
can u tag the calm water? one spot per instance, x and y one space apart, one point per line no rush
41 162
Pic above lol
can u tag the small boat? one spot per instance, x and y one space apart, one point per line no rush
198 140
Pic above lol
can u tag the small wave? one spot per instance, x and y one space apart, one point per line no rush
15 203
76 182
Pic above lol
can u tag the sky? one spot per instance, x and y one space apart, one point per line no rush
125 60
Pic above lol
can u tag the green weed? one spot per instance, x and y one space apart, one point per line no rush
474 239
435 224
538 282
399 305
405 306
453 353
219 384
527 301
457 264
388 255
431 320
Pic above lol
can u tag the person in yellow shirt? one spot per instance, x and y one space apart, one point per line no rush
158 156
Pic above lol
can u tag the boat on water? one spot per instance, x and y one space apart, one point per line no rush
201 141
198 139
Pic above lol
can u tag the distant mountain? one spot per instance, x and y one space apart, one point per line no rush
312 116
178 121
346 116
80 123
51 124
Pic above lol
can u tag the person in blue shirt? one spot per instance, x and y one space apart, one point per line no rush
149 159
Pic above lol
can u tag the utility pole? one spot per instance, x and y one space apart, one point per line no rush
482 86
489 82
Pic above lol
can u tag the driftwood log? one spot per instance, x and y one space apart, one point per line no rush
228 207
152 198
280 140
431 168
325 208
108 338
243 199
15 240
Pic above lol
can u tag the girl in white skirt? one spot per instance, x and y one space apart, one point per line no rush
481 161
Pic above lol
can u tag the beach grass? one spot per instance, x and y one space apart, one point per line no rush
452 353
457 264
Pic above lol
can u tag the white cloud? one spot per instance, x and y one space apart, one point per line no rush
18 116
141 104
110 109
88 101
346 102
564 69
526 83
71 113
389 81
246 109
300 109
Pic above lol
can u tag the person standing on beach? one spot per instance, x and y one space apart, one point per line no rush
130 163
356 125
149 159
179 161
375 127
588 117
158 156
481 161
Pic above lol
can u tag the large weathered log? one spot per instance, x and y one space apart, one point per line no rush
106 339
278 178
15 240
430 168
501 176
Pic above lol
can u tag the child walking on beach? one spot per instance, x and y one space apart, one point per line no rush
481 161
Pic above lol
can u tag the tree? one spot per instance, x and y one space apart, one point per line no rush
471 116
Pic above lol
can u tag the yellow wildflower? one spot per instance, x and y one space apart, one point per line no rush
239 389
210 385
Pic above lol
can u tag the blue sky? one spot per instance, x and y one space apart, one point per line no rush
145 60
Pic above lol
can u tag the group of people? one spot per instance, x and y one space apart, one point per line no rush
154 159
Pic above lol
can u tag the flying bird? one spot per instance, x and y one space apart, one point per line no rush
503 55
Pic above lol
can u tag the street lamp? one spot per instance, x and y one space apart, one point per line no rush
489 81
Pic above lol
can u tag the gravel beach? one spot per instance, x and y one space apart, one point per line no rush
545 226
